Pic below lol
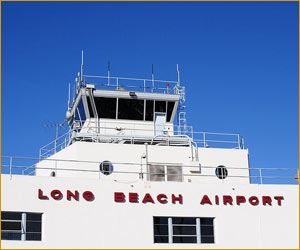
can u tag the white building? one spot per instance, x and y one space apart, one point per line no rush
125 176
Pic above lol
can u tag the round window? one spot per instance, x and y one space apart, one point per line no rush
106 167
221 172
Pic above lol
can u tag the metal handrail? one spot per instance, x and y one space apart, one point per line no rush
175 130
261 177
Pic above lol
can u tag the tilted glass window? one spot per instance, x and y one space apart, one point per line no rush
21 226
131 109
149 110
106 107
184 230
160 106
170 108
90 107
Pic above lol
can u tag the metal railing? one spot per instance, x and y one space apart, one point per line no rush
133 84
135 132
15 166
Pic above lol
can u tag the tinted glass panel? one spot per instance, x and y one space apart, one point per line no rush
149 110
11 216
9 225
106 107
206 239
177 239
10 236
161 239
81 111
131 109
206 221
33 217
188 221
170 110
33 236
33 226
90 107
184 230
160 106
161 230
161 220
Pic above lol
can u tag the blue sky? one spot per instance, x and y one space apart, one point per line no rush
238 61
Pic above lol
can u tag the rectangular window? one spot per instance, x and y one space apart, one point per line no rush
106 107
21 226
170 110
131 109
160 106
183 230
149 110
165 173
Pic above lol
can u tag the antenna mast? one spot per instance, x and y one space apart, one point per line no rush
81 67
152 78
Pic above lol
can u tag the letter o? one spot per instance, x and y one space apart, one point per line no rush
56 194
88 195
253 200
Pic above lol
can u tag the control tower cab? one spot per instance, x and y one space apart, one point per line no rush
135 129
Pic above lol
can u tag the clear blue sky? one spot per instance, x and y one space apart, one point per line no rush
238 61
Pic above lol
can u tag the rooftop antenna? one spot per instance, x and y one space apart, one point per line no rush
82 66
108 73
152 78
69 96
178 76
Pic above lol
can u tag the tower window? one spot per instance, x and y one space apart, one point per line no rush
131 109
160 106
106 107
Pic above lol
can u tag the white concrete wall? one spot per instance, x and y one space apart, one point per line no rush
236 160
103 223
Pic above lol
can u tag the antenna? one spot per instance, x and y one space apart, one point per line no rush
82 66
108 73
178 76
152 78
69 95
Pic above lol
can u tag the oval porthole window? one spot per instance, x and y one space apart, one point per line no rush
221 172
106 167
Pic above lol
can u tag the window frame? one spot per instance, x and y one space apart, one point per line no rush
171 234
23 221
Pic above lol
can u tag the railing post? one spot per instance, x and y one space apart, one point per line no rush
239 142
117 83
10 166
144 85
204 143
260 176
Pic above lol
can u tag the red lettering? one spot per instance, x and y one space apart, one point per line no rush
41 196
253 200
162 198
217 199
70 194
178 198
227 199
205 200
56 194
119 197
240 199
148 198
88 196
267 200
133 197
278 198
